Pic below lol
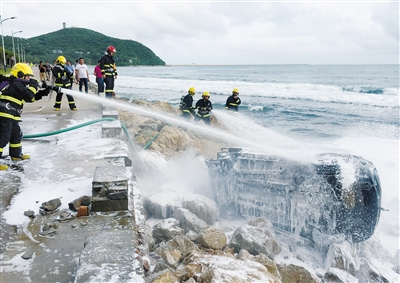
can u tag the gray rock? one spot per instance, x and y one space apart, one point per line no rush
166 230
189 221
29 213
336 275
51 205
255 240
341 256
27 255
212 238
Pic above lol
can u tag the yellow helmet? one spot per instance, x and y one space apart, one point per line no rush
61 60
192 91
235 90
21 70
206 93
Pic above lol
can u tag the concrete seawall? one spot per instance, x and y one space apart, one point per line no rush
90 161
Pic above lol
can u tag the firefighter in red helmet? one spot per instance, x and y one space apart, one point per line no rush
109 71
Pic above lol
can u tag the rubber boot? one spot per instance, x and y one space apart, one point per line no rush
3 167
22 157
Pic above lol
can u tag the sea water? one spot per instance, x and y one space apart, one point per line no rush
352 109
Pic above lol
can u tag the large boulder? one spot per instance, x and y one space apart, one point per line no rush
189 221
212 238
166 230
256 240
374 271
163 203
226 269
268 263
293 273
161 277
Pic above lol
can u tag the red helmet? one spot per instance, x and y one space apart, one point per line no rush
111 49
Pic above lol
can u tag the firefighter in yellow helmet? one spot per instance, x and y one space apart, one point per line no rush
19 87
63 75
204 107
233 101
186 104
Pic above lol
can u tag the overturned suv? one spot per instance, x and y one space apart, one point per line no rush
337 194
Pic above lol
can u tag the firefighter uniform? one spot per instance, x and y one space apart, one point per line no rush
63 77
187 104
12 98
204 107
233 101
109 71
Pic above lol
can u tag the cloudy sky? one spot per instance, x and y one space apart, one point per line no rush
228 32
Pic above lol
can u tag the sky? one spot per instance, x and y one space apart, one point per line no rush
227 32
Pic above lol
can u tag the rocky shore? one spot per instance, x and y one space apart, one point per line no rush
184 238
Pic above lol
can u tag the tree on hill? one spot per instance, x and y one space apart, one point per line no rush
73 43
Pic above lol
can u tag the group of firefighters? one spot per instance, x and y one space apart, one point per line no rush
204 105
20 86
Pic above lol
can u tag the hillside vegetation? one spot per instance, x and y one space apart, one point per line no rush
73 43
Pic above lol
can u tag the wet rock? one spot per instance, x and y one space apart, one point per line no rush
336 275
76 203
146 264
48 230
212 238
27 255
162 277
51 205
29 213
224 269
163 203
160 266
181 243
191 235
189 221
170 256
374 272
293 273
263 223
166 230
228 250
341 256
185 272
244 255
255 240
268 263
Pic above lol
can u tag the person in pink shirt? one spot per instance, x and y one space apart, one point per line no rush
99 78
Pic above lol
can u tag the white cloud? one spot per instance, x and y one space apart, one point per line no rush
229 32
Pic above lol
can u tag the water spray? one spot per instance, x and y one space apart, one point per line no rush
203 129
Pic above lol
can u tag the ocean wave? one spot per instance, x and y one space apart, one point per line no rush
360 89
252 92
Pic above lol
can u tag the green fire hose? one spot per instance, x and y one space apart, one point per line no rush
32 136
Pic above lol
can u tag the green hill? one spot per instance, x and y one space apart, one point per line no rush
73 43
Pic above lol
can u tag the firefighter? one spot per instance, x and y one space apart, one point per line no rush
109 71
204 107
187 104
21 87
233 101
63 77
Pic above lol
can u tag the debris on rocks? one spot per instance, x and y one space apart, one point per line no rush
29 213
